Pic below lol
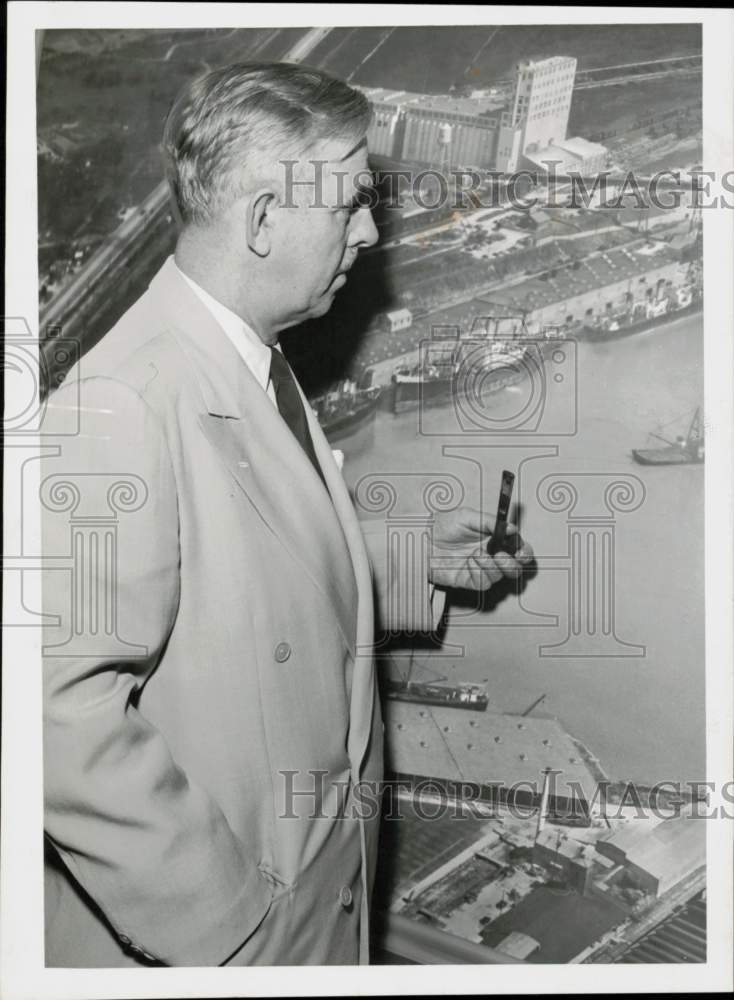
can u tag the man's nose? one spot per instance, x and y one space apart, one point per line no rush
364 231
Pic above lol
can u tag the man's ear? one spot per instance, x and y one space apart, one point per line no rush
259 221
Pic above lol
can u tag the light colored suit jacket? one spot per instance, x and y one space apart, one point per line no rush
209 692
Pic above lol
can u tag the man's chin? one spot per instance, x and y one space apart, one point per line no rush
319 308
326 301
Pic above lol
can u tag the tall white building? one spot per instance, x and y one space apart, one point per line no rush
540 109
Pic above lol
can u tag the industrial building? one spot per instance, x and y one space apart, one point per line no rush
491 129
518 945
434 129
564 156
570 859
540 110
658 859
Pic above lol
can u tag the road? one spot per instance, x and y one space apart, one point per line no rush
616 81
669 62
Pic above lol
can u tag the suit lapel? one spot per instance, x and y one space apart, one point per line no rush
263 457
363 687
279 481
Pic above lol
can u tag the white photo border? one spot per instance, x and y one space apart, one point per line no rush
21 913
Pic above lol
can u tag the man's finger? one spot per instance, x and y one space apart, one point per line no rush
476 520
525 554
509 565
490 572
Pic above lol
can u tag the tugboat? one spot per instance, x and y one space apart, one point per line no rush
688 450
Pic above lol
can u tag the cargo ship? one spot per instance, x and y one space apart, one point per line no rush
346 408
437 382
459 694
462 695
643 316
688 450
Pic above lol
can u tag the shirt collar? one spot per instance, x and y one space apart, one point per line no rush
248 345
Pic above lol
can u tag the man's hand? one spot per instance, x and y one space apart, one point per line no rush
459 556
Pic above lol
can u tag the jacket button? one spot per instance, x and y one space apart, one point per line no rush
345 896
124 940
282 652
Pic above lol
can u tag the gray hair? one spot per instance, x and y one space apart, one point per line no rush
233 123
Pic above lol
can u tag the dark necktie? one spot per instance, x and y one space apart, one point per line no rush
290 405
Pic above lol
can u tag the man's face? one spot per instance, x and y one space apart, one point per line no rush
324 222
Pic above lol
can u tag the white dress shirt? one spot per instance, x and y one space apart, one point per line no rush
246 342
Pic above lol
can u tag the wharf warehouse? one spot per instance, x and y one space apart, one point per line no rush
581 292
449 749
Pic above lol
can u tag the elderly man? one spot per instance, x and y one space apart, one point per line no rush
211 718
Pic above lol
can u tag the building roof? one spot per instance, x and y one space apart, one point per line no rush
560 842
672 846
548 63
596 272
566 154
582 147
482 747
518 945
675 846
539 215
399 314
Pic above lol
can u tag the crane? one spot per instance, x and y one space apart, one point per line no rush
534 705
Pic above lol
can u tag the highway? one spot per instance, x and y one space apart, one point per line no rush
63 307
616 81
669 63
650 69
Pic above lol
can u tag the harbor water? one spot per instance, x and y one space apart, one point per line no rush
642 713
